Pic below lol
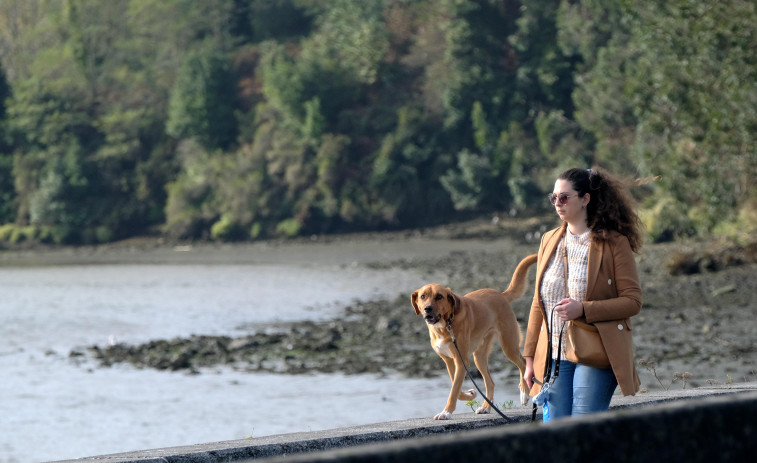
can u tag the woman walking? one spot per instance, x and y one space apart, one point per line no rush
585 273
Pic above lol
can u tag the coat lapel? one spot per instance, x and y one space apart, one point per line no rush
592 273
549 250
550 246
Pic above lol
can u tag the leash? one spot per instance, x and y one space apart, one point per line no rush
454 341
549 379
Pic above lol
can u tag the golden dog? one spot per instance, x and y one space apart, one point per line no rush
475 319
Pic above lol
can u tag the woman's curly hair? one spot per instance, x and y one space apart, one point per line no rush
611 206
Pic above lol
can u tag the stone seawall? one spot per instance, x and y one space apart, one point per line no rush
694 425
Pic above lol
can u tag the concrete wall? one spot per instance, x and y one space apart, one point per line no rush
722 429
673 427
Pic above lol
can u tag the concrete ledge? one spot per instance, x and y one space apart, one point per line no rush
705 424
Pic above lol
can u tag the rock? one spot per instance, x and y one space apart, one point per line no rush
669 333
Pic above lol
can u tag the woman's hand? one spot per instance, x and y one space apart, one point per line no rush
569 309
528 374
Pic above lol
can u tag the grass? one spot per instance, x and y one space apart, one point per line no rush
473 404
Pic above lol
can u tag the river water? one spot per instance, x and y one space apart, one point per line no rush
55 407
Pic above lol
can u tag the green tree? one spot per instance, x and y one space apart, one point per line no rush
599 33
482 63
236 119
545 70
478 179
695 106
7 192
279 19
665 93
406 171
202 101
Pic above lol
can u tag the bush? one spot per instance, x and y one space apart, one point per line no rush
103 234
743 230
22 234
667 220
289 228
14 234
256 230
5 232
62 234
226 229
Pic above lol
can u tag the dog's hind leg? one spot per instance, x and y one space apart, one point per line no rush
481 357
511 348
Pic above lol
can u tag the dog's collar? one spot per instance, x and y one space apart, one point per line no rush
449 326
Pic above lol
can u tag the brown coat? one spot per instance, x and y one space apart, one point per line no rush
613 296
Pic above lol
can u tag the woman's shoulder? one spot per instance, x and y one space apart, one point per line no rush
616 239
555 231
548 236
614 235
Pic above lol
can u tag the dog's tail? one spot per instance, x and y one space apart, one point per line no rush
519 283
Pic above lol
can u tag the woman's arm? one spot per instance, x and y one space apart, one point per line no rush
604 304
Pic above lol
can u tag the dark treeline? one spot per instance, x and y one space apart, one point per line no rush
244 119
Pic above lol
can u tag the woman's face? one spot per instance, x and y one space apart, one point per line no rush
568 205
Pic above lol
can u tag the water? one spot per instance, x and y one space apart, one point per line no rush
54 407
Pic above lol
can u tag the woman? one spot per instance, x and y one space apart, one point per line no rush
600 233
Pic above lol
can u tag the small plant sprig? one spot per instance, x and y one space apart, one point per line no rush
651 365
473 404
684 377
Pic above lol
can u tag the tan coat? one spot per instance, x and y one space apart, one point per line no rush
613 296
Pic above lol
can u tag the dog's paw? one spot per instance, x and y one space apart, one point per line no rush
470 394
483 410
523 397
444 415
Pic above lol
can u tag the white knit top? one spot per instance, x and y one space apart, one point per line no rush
552 288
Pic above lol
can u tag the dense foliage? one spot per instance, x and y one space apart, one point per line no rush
240 119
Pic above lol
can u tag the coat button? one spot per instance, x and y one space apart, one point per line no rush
620 327
609 281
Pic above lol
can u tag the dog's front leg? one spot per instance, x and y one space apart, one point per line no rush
456 371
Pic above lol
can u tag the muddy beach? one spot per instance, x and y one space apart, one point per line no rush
696 327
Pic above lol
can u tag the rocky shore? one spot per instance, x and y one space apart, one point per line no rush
696 326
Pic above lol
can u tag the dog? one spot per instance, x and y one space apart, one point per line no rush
475 320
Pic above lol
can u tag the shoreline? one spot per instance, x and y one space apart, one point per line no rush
693 330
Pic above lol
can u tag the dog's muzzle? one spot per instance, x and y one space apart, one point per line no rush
430 318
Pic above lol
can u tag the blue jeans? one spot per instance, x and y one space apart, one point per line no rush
580 390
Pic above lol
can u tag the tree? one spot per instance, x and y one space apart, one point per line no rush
481 61
665 96
696 111
202 101
278 19
7 192
230 119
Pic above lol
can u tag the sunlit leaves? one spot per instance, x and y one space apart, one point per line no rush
202 101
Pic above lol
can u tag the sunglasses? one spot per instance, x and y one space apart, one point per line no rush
562 198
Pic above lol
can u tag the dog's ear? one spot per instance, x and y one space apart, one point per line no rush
454 301
414 301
